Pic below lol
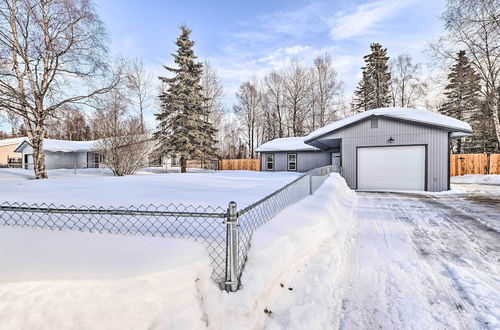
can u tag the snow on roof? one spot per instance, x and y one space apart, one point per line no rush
54 145
11 141
414 115
286 144
68 146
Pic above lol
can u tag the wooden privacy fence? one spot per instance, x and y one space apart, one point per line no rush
461 164
240 164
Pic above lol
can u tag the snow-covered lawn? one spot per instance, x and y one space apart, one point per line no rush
97 187
72 280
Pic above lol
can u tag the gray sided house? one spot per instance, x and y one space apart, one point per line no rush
381 149
62 154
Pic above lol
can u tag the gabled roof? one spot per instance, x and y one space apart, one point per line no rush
407 114
54 145
286 144
11 141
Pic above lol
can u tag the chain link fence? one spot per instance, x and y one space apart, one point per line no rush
226 233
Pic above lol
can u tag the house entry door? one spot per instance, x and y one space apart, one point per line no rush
336 164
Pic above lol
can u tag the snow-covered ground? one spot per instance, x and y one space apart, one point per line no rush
336 259
477 178
72 280
401 261
97 187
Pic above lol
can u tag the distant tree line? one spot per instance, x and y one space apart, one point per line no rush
290 102
58 81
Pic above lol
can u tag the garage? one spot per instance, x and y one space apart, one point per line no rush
391 168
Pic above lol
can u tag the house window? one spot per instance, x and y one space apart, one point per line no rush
269 162
374 123
292 162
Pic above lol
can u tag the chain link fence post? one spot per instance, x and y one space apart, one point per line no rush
231 281
310 182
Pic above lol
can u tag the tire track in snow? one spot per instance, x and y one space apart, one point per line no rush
428 239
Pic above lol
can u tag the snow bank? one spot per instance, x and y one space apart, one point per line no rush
294 234
72 280
477 178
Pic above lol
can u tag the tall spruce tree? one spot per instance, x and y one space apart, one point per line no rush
361 94
183 127
462 98
374 89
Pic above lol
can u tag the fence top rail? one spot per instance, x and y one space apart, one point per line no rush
195 213
314 172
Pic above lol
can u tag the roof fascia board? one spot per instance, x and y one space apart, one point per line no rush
444 128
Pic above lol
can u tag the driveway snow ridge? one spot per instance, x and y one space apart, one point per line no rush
284 243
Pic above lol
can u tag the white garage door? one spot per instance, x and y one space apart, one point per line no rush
391 168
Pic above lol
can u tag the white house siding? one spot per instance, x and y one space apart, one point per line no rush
306 160
403 133
55 160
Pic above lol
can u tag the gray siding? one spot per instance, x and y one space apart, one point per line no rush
306 160
403 133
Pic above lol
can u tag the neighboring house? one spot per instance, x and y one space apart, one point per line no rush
8 157
381 149
171 162
62 154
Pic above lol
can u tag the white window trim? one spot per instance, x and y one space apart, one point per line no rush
288 161
267 162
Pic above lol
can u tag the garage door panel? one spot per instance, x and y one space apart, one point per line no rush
391 168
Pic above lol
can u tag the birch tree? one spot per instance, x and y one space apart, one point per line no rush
249 110
213 93
52 51
297 86
326 92
274 104
139 82
406 84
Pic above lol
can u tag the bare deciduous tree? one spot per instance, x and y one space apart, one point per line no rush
52 51
274 104
124 145
249 109
297 88
11 119
139 83
326 92
213 93
406 84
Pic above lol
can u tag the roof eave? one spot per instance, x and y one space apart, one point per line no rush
21 146
449 128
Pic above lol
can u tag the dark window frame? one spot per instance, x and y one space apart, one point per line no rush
271 162
288 161
374 123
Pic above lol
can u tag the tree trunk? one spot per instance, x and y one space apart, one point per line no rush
496 119
38 154
183 164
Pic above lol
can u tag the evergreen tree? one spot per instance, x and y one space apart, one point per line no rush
484 138
183 127
361 94
462 97
374 89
